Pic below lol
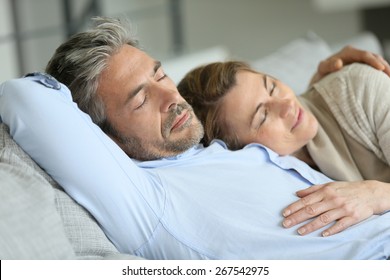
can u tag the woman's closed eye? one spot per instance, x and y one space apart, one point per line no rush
263 117
264 111
260 116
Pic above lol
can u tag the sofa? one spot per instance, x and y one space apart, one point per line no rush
38 220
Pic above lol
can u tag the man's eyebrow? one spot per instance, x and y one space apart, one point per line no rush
258 107
133 93
157 65
265 81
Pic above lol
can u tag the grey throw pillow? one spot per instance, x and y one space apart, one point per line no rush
296 62
30 226
86 237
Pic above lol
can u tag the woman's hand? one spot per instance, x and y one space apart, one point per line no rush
345 203
347 56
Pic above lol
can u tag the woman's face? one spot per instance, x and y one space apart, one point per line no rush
261 109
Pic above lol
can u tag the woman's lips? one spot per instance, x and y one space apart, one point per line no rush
180 120
298 118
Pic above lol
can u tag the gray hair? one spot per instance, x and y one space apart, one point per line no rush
79 62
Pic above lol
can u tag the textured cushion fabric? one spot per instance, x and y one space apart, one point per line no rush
30 226
86 237
296 62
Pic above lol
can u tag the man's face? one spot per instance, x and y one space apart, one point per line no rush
150 118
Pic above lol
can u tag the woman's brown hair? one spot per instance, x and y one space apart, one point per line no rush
204 88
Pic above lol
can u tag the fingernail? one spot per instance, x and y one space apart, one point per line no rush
286 213
286 223
301 231
325 234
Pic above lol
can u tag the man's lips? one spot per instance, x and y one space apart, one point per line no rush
298 118
180 120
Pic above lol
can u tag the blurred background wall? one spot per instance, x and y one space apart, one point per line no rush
30 30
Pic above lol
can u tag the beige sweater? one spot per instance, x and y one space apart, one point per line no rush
353 109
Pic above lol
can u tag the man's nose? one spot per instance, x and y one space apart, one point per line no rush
168 97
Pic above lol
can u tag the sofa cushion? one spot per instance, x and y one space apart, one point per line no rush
296 62
85 235
30 226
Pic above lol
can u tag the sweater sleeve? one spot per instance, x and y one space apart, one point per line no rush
359 98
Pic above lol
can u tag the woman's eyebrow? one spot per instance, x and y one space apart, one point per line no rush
258 107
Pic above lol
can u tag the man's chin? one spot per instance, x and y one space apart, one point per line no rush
187 139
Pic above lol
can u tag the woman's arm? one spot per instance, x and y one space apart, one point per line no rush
345 203
347 56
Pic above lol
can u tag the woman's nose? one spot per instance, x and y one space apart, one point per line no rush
285 107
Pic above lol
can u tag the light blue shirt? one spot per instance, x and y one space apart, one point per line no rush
207 203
